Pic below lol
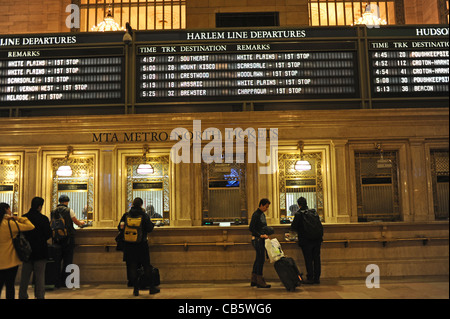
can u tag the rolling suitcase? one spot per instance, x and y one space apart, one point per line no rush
288 272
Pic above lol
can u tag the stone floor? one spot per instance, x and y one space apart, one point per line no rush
402 288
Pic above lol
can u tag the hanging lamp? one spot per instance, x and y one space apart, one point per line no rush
65 170
145 168
302 165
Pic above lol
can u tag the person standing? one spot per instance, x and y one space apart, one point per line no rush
310 236
135 249
38 240
257 227
67 244
9 261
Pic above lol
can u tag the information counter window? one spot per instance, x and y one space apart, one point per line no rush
377 186
224 194
151 184
440 177
9 182
296 183
79 186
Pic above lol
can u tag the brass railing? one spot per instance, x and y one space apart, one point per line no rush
226 244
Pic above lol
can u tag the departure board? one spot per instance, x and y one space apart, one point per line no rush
409 68
61 76
250 71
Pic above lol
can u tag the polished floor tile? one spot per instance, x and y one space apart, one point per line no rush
406 288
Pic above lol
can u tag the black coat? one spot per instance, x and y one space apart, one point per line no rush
138 252
258 223
39 235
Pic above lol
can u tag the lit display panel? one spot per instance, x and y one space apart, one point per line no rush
409 68
61 76
269 70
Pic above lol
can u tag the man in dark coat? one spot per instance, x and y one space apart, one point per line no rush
310 246
38 240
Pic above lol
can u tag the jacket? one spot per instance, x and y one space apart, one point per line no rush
138 252
298 226
8 254
39 235
257 223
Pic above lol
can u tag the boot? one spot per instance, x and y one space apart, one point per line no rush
261 283
253 281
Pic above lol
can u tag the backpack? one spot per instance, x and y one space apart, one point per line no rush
133 229
312 227
58 225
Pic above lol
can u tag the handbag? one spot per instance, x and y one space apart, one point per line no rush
274 251
20 243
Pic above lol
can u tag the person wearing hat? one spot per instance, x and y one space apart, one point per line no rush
67 244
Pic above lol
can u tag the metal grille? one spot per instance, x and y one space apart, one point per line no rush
158 198
9 178
440 178
222 199
377 186
313 192
345 12
81 201
141 14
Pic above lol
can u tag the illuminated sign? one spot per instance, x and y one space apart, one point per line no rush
61 76
275 69
226 65
409 68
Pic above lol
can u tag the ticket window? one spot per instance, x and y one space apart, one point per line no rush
294 184
224 194
9 183
440 180
377 186
79 186
150 185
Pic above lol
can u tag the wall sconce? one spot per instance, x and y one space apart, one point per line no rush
145 168
302 165
65 170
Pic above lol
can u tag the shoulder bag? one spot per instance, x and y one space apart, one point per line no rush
21 244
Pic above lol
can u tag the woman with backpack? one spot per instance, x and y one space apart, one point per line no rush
9 261
135 226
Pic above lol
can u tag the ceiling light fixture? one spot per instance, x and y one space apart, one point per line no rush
302 165
145 168
371 17
65 170
108 24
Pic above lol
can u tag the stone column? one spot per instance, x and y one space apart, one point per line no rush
341 211
30 187
420 208
106 191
